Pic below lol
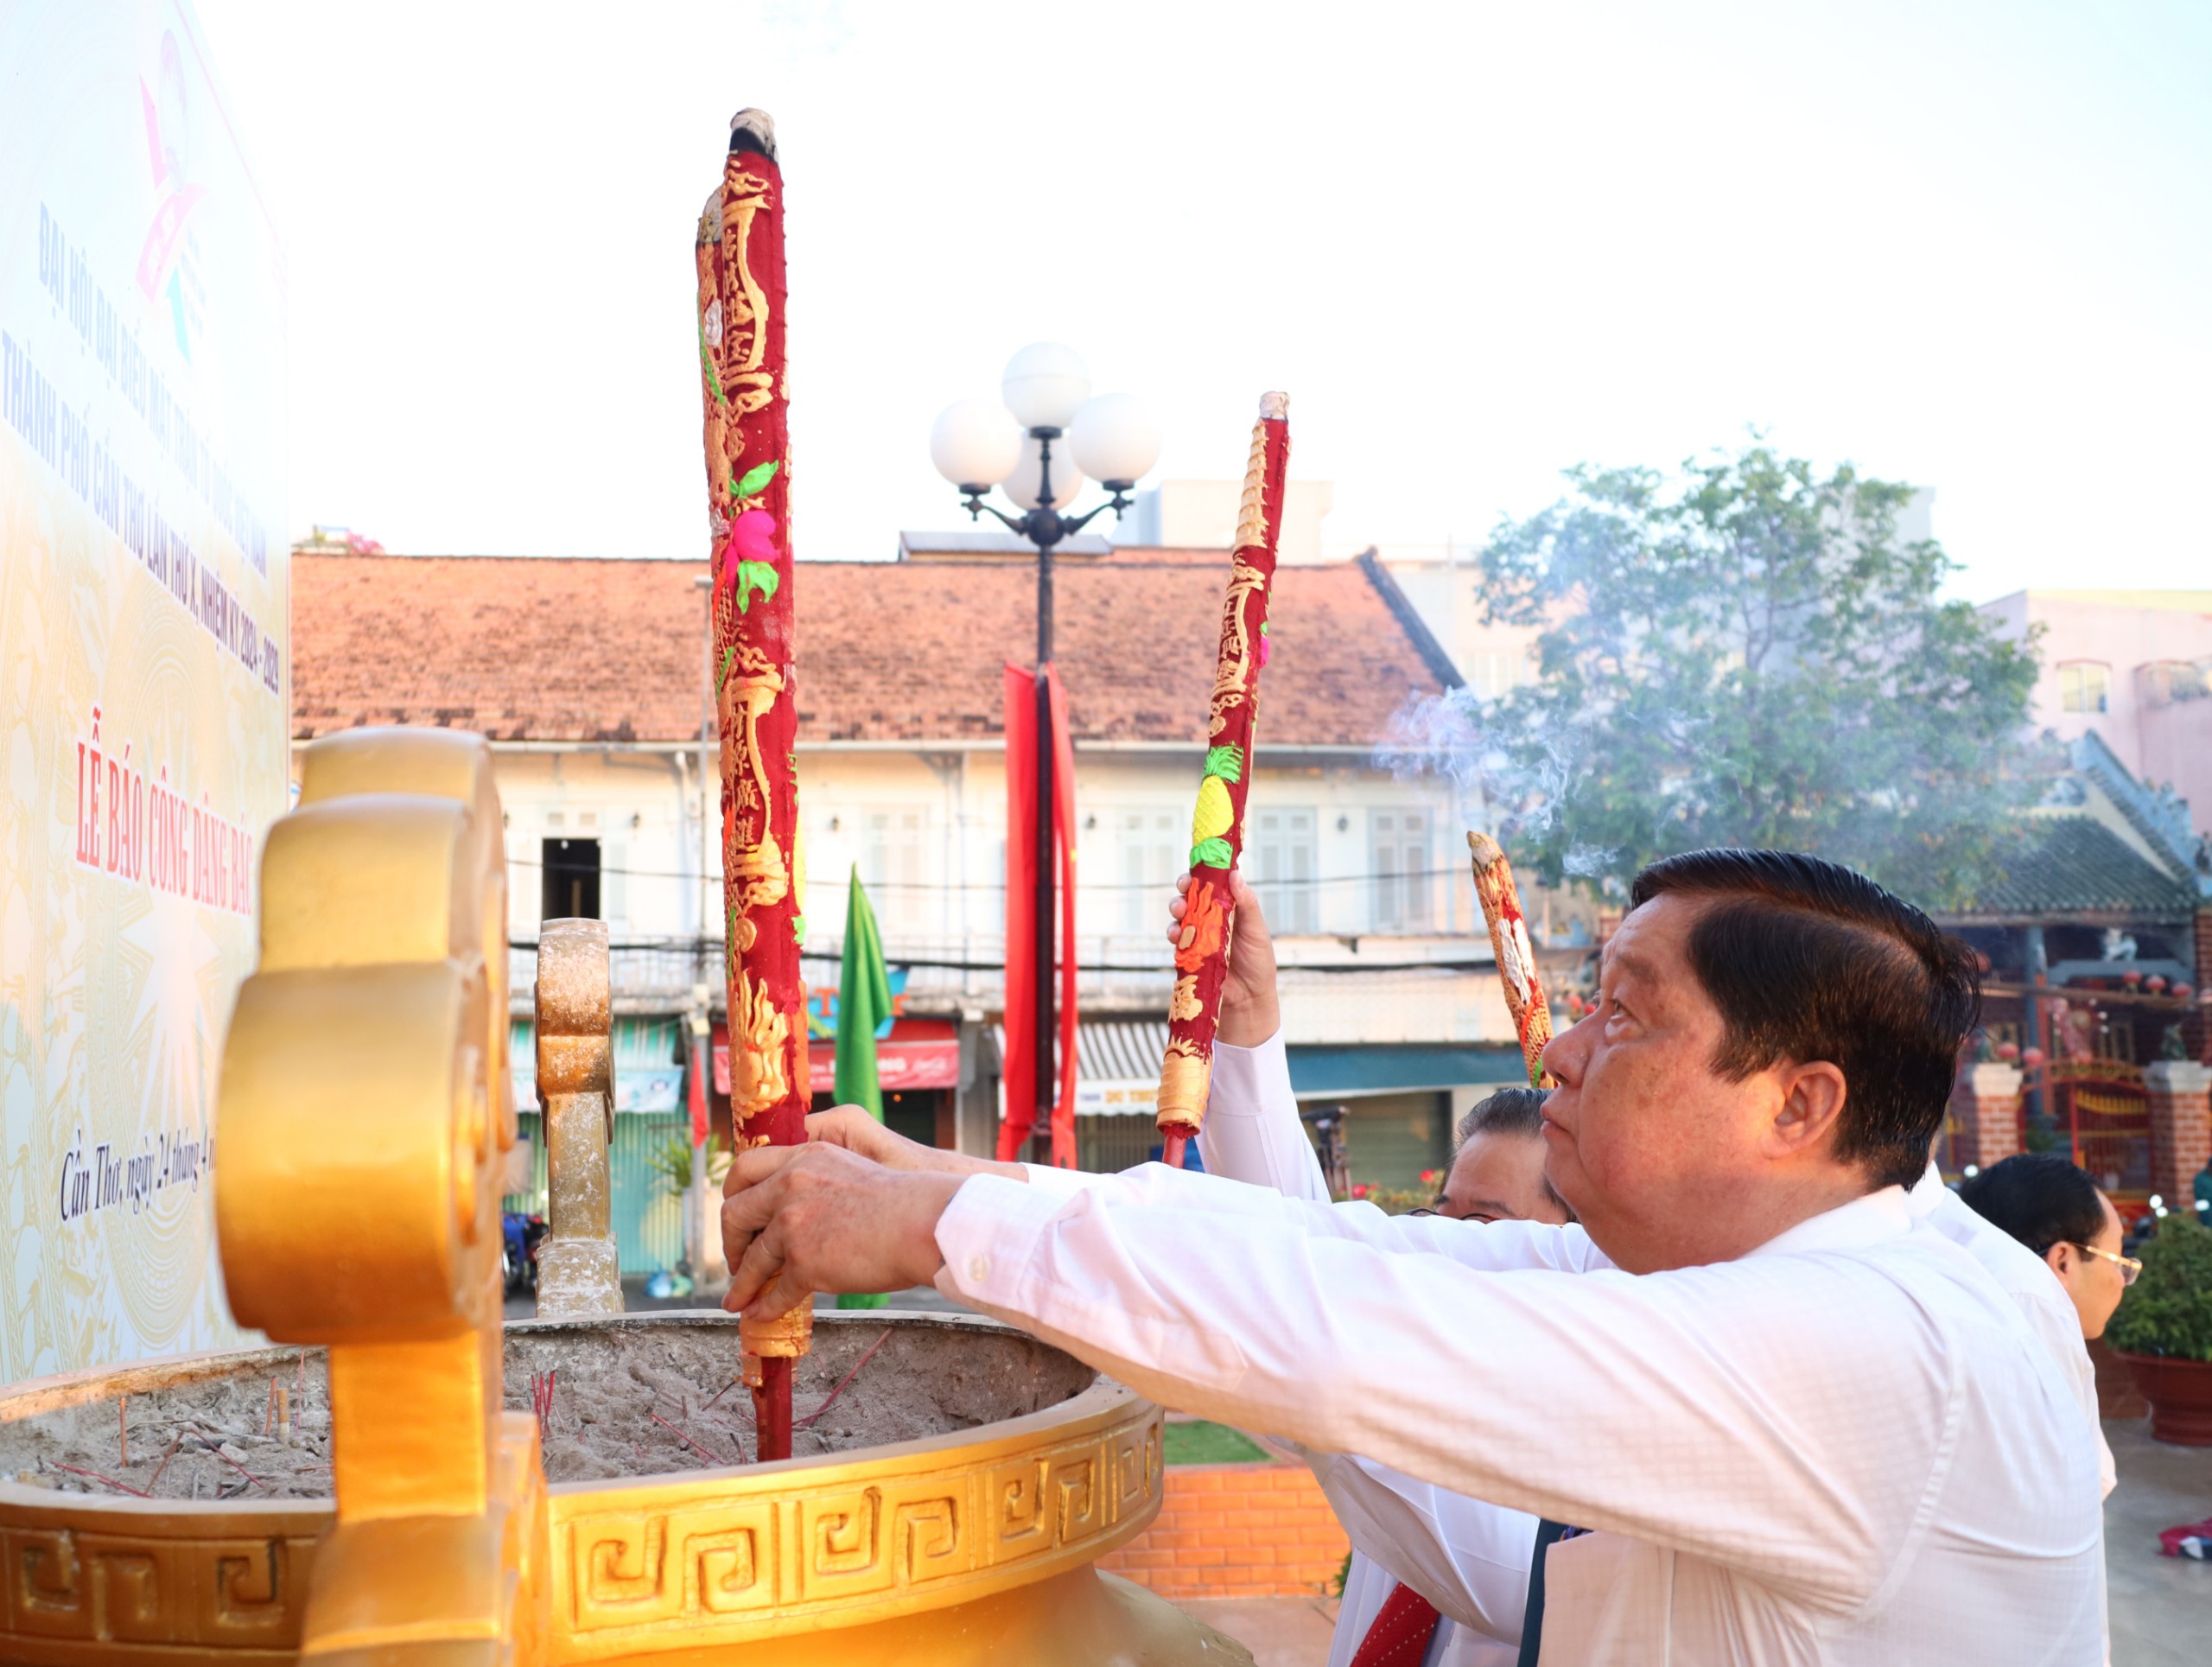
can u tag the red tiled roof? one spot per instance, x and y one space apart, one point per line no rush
531 648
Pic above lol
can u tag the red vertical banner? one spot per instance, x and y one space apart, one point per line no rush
1064 829
740 260
701 1062
1019 1075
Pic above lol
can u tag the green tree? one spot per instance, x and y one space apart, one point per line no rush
1745 652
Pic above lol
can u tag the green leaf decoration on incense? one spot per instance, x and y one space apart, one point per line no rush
707 360
756 478
1211 854
722 676
751 577
1227 762
798 929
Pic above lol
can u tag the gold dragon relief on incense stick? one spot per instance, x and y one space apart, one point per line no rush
749 688
745 304
1184 1004
1235 669
1252 507
760 1038
1184 1074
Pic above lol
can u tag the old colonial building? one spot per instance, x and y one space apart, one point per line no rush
589 678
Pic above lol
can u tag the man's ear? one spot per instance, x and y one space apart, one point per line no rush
1812 1107
2062 1256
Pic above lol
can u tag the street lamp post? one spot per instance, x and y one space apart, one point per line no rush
977 445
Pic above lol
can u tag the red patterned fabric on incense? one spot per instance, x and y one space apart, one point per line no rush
741 302
1516 956
1217 828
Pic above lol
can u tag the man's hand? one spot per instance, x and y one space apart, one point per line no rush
1249 1011
855 1129
816 1218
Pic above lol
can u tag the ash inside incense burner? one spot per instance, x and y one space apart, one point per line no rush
645 1395
248 1426
638 1395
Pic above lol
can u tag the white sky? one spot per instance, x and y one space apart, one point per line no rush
1965 244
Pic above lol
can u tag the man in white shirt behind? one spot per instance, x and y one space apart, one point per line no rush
1465 1560
1796 1426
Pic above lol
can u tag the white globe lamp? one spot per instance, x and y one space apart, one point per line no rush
1045 386
1114 440
1022 484
974 443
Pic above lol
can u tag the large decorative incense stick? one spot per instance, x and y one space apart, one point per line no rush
1217 829
740 272
1517 957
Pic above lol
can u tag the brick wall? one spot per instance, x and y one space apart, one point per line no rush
2181 1127
1986 1100
1236 1531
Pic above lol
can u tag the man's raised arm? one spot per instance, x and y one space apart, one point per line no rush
1689 1395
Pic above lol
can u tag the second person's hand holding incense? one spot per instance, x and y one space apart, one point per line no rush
1250 1012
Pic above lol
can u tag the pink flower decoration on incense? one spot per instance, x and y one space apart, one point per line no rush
752 539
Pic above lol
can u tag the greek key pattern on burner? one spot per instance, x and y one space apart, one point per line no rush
68 1586
757 1559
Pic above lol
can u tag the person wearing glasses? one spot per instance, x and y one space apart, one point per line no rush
2053 1207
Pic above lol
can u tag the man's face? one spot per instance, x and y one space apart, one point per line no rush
2095 1282
1653 1149
1499 1178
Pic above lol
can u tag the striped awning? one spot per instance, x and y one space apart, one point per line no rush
1117 1064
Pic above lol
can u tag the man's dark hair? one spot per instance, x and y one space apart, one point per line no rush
1808 960
2039 1199
1508 1111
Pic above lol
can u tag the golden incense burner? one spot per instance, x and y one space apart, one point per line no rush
363 1125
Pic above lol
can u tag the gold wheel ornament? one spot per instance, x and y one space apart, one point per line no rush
363 1120
363 1115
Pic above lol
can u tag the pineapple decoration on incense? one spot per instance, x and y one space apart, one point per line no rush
1516 956
739 254
1217 828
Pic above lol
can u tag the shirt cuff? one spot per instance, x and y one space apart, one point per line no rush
987 1237
1247 1080
1059 1183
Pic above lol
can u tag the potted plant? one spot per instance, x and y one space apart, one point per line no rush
2164 1331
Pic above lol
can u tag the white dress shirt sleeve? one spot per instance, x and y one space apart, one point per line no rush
1716 1410
1251 1131
1059 1183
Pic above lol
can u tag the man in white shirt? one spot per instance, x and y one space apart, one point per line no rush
1467 1558
1796 1426
1464 1563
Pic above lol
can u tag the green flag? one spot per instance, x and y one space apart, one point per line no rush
863 1002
